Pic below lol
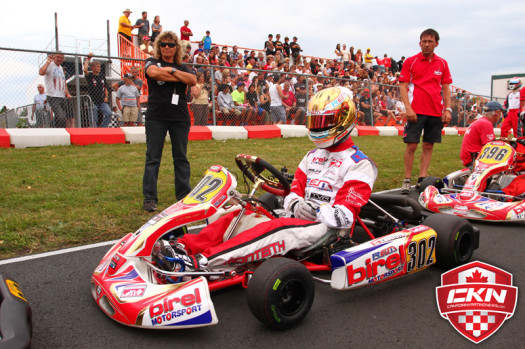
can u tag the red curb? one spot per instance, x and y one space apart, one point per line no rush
400 129
264 131
5 140
199 133
367 131
461 130
86 136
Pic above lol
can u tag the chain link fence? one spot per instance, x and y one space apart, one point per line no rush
223 95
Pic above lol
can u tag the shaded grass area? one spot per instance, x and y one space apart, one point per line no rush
58 197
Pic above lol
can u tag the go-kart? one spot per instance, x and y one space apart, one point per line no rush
477 194
140 283
15 316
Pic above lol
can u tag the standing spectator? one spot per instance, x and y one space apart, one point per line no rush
521 123
40 108
359 58
97 86
124 25
199 104
185 34
167 112
368 59
206 41
425 90
156 28
270 49
400 63
394 67
278 44
57 92
143 25
480 133
386 62
345 56
286 46
364 104
296 50
276 101
513 109
127 102
267 42
137 81
301 98
337 53
146 46
289 101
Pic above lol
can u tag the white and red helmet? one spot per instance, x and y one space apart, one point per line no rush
514 83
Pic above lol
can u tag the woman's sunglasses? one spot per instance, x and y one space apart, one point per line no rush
169 44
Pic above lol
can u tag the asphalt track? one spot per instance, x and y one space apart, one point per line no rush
399 313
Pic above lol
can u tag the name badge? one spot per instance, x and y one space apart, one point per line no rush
175 99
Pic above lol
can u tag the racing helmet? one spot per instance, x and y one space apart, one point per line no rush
331 116
514 83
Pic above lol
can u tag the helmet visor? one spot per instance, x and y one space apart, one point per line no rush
321 121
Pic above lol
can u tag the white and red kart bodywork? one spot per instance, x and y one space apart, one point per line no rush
127 287
496 162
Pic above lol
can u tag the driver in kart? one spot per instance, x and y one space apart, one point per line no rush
330 186
480 133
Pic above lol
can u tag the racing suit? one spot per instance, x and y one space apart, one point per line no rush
337 180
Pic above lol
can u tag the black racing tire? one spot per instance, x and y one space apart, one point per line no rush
428 181
456 239
280 293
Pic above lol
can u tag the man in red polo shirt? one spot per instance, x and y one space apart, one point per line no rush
480 132
425 91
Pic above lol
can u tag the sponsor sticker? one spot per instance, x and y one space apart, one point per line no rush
476 299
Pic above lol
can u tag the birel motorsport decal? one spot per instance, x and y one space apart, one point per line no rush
384 258
476 298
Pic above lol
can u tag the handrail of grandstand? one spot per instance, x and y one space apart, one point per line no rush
126 49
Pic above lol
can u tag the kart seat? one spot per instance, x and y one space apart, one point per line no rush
246 222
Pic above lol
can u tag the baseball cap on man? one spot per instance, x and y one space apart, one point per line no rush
492 105
127 10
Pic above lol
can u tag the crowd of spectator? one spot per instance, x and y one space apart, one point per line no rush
242 81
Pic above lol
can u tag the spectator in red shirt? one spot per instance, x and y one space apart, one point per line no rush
288 100
425 90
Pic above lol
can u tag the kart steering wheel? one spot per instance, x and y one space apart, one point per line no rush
252 167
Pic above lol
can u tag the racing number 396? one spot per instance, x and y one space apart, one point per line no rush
493 153
420 253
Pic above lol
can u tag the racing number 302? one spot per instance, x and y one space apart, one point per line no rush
420 253
493 153
199 193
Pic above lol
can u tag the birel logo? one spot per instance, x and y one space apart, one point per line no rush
319 160
133 291
394 263
476 298
165 310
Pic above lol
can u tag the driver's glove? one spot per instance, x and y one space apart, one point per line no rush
304 210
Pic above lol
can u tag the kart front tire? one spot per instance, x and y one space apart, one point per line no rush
428 181
456 239
281 293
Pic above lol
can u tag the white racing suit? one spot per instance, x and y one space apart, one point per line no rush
338 180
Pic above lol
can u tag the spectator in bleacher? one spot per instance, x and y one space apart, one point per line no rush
301 97
97 86
41 108
146 46
199 104
269 63
270 49
387 63
156 28
289 101
57 92
167 111
337 52
358 58
368 59
124 25
352 55
394 67
296 50
143 25
212 58
137 81
400 63
286 47
260 59
239 99
185 34
226 104
206 41
235 55
127 101
364 104
345 56
252 99
315 67
400 112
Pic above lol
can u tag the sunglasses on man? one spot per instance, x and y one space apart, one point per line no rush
169 44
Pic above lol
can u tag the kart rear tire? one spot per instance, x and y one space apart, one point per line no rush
456 239
281 293
428 181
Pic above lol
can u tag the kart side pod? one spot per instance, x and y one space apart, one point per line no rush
384 258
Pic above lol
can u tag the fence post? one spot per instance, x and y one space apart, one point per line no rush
212 78
371 104
77 88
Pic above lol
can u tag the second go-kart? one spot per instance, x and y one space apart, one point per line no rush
477 194
139 283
